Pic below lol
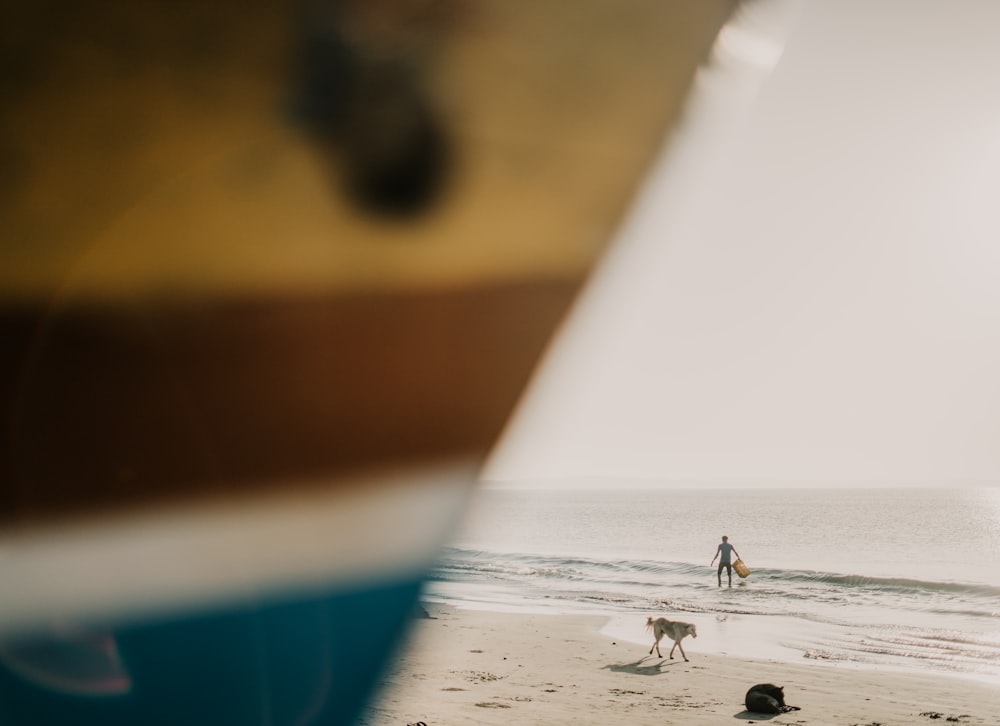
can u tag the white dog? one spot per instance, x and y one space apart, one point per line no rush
672 629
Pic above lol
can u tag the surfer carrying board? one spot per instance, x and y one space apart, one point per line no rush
726 550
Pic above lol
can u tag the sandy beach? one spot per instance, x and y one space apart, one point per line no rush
477 667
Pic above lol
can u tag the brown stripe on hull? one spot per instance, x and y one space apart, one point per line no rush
110 408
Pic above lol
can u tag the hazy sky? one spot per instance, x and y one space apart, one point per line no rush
809 287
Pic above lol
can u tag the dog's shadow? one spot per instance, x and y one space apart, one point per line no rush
638 669
753 716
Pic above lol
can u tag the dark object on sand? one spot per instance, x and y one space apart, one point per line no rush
767 698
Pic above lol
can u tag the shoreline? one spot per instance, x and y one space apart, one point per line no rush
769 641
465 666
749 636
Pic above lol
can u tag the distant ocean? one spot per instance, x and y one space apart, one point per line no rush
883 578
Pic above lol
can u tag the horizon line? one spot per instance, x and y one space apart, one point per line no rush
607 482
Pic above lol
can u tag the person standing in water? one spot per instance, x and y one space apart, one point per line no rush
726 550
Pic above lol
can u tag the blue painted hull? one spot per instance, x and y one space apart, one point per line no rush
308 660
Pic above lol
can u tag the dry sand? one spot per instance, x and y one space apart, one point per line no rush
476 667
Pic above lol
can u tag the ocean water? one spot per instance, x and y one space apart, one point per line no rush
872 578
